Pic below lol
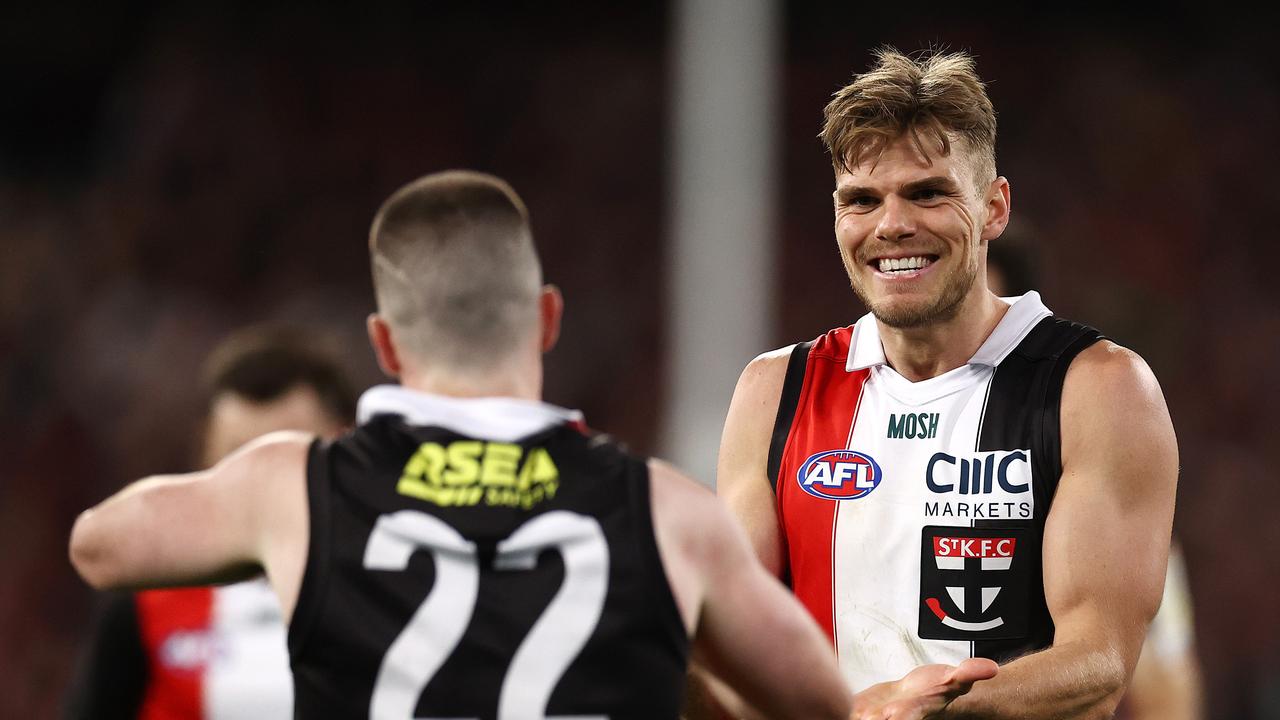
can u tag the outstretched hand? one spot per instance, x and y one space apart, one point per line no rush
923 693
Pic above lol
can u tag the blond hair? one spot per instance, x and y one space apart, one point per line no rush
932 97
454 269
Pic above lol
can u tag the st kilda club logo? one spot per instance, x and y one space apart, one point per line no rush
974 583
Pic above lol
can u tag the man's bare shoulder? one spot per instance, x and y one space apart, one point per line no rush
1106 365
1107 377
766 371
281 445
755 401
691 514
1115 420
681 500
262 458
268 471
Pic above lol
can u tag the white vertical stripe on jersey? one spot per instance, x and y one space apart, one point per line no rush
248 676
877 607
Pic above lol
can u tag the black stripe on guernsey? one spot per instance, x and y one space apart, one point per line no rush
1022 411
787 403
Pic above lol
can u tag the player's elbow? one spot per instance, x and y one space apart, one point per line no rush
1112 674
89 551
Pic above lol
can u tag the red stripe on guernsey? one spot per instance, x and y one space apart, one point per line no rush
176 635
825 413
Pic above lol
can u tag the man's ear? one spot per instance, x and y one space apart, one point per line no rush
550 310
999 205
384 346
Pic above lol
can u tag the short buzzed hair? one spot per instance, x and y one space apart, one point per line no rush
454 269
931 97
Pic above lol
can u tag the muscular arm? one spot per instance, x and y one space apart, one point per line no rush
746 628
742 484
742 481
247 513
1105 547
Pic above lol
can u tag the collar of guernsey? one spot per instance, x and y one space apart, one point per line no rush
1023 313
502 419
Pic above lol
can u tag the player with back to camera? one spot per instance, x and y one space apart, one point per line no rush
468 550
954 475
216 652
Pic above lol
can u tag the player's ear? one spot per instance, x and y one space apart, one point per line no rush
550 310
999 205
383 345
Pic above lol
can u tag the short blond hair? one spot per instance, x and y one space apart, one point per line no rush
454 269
934 96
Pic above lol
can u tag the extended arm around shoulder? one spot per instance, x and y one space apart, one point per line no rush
211 526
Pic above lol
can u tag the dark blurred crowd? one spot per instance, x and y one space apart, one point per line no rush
168 175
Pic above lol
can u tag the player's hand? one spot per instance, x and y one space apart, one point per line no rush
923 693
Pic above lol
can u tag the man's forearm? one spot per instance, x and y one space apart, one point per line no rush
1074 680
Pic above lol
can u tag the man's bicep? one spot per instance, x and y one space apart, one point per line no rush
1107 536
742 480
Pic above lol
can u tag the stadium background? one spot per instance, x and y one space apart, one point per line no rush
171 172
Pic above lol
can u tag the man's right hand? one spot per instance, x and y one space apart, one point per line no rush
923 693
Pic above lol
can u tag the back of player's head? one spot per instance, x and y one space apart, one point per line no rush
454 269
263 364
932 98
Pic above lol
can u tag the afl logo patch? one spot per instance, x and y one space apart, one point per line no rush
839 475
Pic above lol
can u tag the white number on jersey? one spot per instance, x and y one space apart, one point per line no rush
439 623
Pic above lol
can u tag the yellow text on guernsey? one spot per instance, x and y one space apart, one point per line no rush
471 472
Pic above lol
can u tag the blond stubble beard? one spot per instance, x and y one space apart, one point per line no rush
944 307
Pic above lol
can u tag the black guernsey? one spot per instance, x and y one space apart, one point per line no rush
486 559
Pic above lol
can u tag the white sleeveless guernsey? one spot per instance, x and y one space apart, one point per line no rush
913 512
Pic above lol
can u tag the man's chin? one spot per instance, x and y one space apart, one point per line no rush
910 315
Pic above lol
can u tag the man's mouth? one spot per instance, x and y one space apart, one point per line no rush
894 267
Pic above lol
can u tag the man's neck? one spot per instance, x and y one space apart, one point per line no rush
925 352
525 385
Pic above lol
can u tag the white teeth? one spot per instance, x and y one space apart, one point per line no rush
891 265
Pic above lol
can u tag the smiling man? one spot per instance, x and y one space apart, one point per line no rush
469 550
954 475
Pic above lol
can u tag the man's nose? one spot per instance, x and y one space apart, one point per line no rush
897 220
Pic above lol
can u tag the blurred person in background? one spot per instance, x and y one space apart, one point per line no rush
469 550
1166 682
955 475
216 652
